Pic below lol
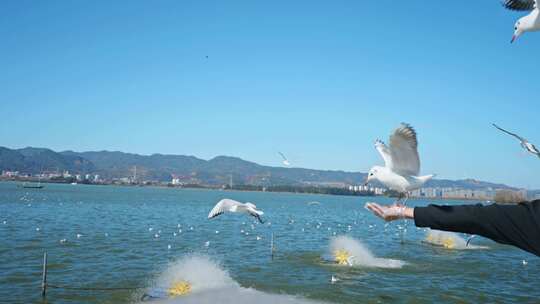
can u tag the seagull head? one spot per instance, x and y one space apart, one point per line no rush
372 174
519 29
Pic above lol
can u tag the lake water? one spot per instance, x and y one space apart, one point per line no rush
105 236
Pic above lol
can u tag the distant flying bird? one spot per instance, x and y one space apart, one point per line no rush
229 205
285 160
529 23
402 163
525 144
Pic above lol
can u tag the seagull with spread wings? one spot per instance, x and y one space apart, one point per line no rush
525 144
529 23
402 163
285 161
229 205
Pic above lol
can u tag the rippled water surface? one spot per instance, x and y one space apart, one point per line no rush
145 238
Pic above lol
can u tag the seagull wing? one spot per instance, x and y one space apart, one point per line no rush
404 151
285 160
533 149
224 205
385 153
510 133
256 215
520 5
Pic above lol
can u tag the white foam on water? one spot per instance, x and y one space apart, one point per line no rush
360 254
199 271
210 283
449 240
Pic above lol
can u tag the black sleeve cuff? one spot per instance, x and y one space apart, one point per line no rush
421 216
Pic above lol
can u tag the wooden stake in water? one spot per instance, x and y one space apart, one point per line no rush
44 278
272 246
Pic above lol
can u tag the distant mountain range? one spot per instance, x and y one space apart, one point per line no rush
189 169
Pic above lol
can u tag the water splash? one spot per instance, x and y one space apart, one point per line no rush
209 283
448 240
356 254
199 271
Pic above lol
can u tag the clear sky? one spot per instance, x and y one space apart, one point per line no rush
316 80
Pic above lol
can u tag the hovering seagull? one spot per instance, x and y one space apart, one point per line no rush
285 160
402 163
529 23
525 144
229 205
333 279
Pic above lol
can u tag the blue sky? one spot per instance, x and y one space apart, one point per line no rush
317 80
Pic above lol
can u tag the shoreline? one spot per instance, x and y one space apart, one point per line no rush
190 187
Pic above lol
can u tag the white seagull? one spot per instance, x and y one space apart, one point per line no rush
229 205
285 160
529 23
402 163
525 144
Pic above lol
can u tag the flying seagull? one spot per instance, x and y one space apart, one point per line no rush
229 205
402 163
285 160
525 144
529 23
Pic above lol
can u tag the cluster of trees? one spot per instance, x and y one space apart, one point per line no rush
301 189
508 197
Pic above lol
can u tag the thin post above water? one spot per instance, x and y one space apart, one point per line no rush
44 278
272 246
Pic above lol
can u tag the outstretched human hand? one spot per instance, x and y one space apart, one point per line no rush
391 212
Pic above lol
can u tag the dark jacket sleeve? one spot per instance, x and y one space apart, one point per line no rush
516 224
